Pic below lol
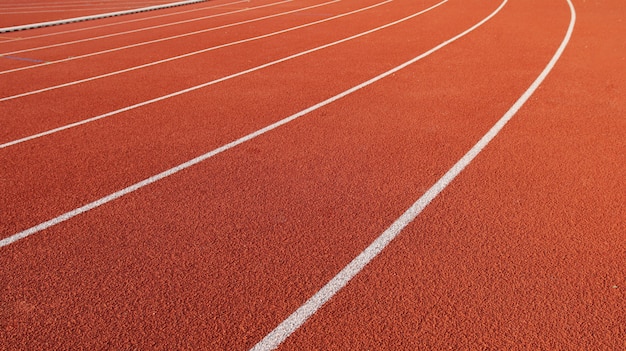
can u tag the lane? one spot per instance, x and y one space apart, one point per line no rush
228 245
228 64
525 248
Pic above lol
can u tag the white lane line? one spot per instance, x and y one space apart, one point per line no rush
212 48
64 217
297 318
164 97
99 16
135 31
130 21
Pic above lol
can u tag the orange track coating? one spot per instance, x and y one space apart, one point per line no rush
524 250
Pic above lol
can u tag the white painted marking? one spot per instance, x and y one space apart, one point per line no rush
180 92
311 306
154 63
129 21
93 17
64 217
136 31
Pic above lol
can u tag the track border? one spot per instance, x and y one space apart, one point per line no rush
99 16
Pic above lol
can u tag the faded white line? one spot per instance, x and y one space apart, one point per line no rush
68 215
154 63
131 32
99 16
148 102
130 21
296 319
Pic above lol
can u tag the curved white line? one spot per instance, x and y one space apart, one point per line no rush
212 48
184 91
131 32
313 304
93 17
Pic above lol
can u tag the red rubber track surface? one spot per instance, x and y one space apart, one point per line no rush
525 249
16 13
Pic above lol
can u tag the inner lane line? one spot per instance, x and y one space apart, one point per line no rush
68 215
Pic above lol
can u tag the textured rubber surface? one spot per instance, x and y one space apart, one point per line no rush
523 250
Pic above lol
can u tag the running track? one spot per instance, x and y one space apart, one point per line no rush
281 178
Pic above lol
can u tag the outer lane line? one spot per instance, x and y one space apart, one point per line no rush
154 63
131 32
98 16
277 336
180 92
68 215
130 21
